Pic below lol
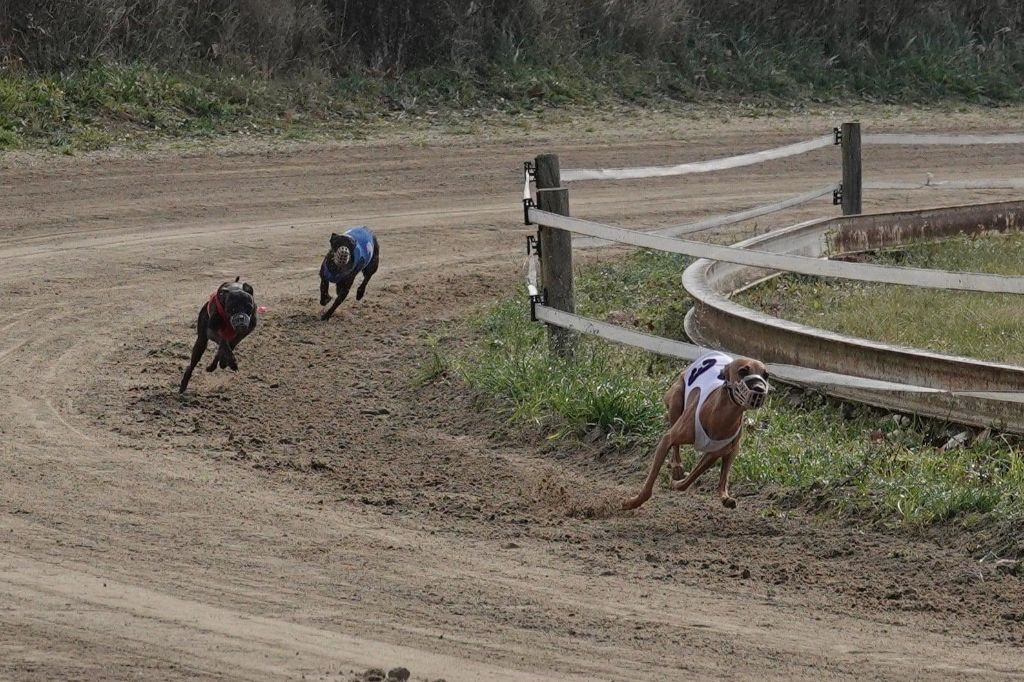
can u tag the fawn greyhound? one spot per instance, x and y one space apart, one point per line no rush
705 408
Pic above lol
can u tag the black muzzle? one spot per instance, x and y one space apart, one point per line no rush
240 321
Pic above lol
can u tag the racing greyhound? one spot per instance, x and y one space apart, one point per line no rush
705 408
351 253
227 318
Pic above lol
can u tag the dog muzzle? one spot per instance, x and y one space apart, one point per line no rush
240 321
342 257
750 391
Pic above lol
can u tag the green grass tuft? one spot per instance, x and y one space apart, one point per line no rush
513 365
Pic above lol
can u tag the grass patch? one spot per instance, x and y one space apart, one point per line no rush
108 104
848 460
978 325
512 365
646 292
433 365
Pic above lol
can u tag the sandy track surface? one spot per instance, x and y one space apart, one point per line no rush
318 513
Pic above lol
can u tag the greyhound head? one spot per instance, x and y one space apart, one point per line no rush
341 250
239 303
747 382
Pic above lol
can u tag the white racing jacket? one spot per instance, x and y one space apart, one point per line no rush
702 374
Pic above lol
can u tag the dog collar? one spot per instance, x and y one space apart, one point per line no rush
226 330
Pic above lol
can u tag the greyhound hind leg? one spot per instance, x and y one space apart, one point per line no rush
678 473
361 291
369 271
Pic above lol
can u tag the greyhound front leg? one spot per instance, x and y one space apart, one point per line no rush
723 479
325 297
342 293
197 354
227 356
659 460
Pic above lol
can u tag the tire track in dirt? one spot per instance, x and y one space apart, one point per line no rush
220 641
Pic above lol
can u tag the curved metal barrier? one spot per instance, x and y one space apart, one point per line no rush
960 389
717 322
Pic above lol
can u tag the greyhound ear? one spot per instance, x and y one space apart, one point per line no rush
238 278
247 288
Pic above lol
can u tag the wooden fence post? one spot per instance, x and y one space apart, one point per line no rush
852 178
555 250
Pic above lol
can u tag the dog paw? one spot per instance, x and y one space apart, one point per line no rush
359 294
729 502
633 503
678 473
325 317
325 301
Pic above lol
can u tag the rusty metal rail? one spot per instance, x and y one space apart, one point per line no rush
715 321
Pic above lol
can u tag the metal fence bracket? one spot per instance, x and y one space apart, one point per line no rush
533 245
536 298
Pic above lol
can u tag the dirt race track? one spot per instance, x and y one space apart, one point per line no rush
317 514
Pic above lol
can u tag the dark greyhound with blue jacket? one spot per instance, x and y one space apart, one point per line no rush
227 318
351 253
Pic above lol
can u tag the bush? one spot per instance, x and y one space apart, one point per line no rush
885 48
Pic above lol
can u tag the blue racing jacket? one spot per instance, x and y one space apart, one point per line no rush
361 255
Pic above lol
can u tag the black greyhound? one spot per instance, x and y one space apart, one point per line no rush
227 318
351 253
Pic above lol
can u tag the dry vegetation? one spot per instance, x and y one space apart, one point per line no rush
71 71
705 39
